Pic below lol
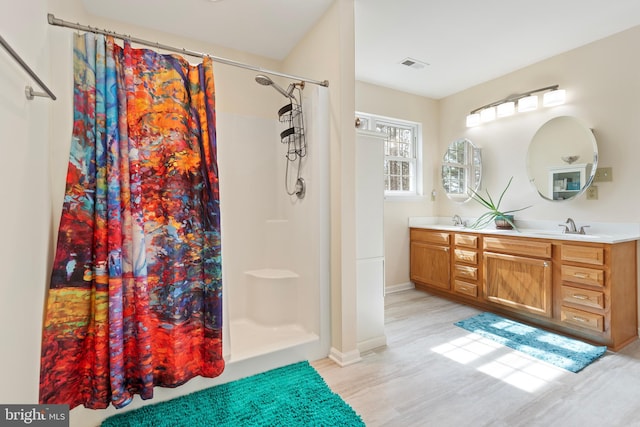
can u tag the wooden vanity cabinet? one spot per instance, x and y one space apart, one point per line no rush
597 291
588 290
518 274
430 258
466 269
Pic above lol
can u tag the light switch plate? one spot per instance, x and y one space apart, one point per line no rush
603 175
592 192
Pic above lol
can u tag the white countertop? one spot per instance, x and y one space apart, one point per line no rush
596 232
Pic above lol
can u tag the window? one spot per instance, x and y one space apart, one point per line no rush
402 149
461 169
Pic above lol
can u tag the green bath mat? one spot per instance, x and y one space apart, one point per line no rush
294 395
566 353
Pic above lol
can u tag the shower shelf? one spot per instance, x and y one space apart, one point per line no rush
289 112
291 135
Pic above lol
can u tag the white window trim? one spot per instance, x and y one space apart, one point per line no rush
418 194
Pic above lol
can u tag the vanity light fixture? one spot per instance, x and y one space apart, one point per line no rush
488 114
473 119
506 109
527 101
555 97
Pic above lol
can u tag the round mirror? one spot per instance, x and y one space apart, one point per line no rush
461 169
562 158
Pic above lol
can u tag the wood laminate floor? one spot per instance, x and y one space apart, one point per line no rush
432 373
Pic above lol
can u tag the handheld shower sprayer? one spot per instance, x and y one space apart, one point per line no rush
293 136
266 81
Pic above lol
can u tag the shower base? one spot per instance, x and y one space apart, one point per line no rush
249 339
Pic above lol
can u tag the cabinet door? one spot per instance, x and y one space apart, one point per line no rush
518 282
430 264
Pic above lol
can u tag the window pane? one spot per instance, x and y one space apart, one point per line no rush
400 163
405 183
454 179
405 150
395 168
393 148
394 183
406 170
406 135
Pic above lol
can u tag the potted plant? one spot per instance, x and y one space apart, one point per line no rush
503 219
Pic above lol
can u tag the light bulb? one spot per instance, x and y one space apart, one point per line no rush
555 97
488 114
473 120
506 109
528 103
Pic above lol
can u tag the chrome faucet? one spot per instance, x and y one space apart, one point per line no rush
457 221
570 227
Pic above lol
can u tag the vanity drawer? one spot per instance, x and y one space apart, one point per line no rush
466 240
582 297
466 272
466 288
583 254
470 257
584 275
529 247
429 236
584 319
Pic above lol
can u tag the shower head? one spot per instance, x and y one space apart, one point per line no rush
263 80
266 81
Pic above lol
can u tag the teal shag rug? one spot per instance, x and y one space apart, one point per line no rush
294 395
563 352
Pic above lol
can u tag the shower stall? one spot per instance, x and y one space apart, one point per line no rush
275 240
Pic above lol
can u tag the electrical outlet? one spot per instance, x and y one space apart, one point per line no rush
603 175
592 192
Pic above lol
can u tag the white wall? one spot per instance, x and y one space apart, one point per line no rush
327 53
26 212
35 136
601 80
400 105
602 83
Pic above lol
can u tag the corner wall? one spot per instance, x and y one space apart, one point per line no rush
401 105
25 213
601 80
327 52
35 137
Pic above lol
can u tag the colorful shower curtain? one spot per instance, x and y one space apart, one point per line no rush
135 294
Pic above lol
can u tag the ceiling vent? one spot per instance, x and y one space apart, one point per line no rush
413 63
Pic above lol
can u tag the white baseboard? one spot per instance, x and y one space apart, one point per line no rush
372 343
344 359
399 287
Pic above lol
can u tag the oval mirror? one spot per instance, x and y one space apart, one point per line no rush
562 158
461 169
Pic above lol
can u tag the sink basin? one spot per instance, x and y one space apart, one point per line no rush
559 234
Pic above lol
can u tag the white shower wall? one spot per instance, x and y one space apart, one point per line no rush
266 232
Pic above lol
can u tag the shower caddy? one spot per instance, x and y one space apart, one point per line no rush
293 136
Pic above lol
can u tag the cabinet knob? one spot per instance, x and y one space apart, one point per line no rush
545 264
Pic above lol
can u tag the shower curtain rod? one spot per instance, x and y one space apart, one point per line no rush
61 23
28 90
